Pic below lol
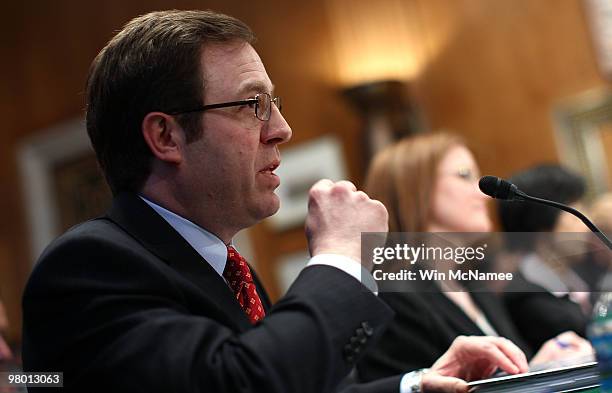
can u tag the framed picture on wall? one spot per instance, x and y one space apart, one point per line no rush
301 167
288 267
599 13
62 184
583 132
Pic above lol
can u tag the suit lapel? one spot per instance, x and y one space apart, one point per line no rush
263 295
138 219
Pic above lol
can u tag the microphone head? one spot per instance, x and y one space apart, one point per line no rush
497 188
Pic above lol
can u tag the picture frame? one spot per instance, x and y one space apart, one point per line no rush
599 17
288 267
301 167
583 131
61 182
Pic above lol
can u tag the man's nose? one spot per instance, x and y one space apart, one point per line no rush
276 130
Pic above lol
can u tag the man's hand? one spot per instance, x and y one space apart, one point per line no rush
473 358
337 214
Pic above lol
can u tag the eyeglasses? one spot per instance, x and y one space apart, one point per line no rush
465 174
262 103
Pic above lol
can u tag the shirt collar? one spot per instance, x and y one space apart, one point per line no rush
209 246
536 271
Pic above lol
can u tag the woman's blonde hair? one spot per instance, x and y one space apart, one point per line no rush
403 176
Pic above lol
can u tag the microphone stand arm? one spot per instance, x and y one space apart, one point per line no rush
522 196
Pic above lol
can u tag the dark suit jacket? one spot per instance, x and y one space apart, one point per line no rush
124 304
425 324
540 314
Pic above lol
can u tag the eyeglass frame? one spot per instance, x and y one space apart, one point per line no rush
464 173
255 100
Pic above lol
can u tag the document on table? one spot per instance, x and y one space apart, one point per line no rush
562 379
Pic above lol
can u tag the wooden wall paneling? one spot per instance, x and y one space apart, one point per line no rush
13 111
505 65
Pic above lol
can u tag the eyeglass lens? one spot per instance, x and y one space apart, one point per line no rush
263 108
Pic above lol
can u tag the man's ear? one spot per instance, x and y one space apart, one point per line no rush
164 137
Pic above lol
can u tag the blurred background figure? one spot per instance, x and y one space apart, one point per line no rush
429 183
5 351
9 361
547 296
596 265
601 212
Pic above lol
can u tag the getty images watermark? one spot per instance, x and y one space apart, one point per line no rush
424 254
416 262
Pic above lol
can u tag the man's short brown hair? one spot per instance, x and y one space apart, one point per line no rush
152 64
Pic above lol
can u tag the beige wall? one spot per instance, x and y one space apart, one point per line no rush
491 69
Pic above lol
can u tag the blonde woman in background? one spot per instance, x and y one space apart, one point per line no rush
429 184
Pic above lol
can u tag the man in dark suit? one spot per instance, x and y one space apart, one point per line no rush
153 297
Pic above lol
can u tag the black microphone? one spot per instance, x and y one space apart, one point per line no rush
498 188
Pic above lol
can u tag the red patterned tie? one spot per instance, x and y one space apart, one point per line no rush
239 278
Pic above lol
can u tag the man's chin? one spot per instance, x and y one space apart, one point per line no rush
274 205
269 208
